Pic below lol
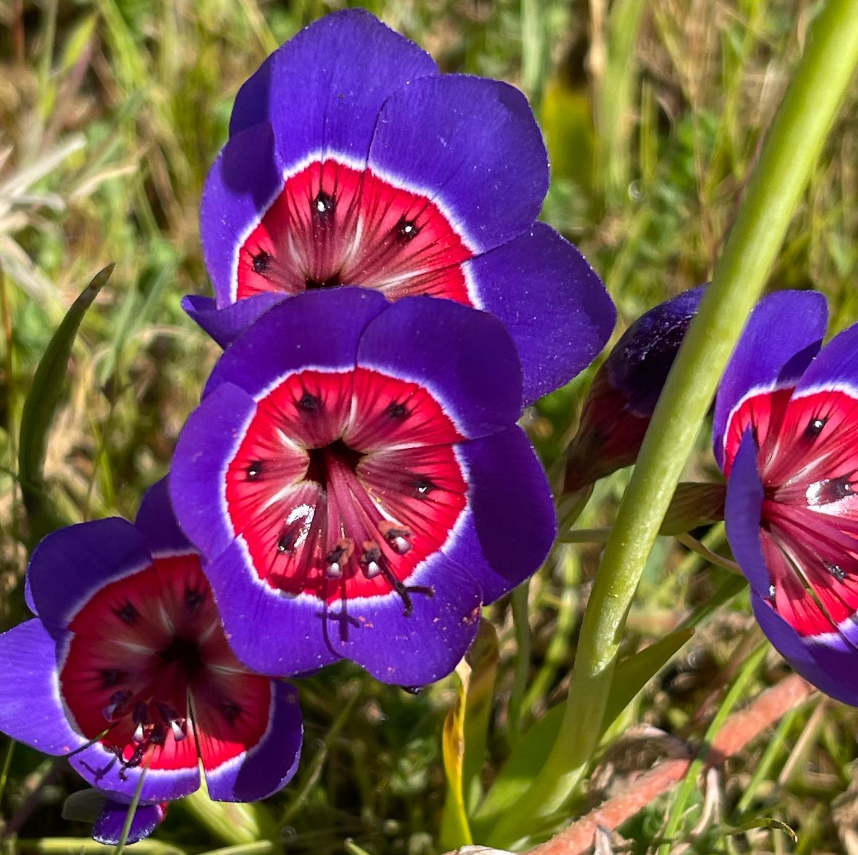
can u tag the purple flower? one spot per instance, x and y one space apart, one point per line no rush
786 436
352 161
357 482
110 824
127 670
625 390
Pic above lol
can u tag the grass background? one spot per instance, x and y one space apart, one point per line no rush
111 112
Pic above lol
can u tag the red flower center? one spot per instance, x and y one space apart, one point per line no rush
148 666
343 483
334 225
808 464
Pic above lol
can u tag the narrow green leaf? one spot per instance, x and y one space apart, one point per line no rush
762 822
40 408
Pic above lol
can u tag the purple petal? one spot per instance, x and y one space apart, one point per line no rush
111 823
101 768
70 565
783 334
31 710
742 514
323 89
269 765
421 647
473 147
207 441
270 632
553 304
465 357
836 364
511 523
242 184
157 522
828 662
318 329
224 325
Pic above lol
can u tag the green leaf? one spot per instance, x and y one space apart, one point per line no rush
532 750
694 504
40 408
762 822
465 734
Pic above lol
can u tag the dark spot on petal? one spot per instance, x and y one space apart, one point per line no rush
423 487
111 677
397 411
814 427
309 403
286 542
261 261
406 230
128 614
314 284
324 205
194 599
836 571
254 470
231 711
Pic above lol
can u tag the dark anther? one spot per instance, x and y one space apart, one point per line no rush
158 735
423 487
194 598
370 560
231 711
254 470
140 717
309 403
128 614
116 705
397 537
261 261
397 411
406 230
814 427
324 205
110 677
836 571
338 557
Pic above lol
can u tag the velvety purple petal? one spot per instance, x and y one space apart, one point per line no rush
101 768
783 334
472 146
270 632
828 662
318 329
70 565
157 522
240 187
836 364
224 325
640 361
31 710
419 648
552 303
742 514
268 766
111 823
465 357
323 89
196 481
511 523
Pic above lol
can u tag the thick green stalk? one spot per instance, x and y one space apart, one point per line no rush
789 153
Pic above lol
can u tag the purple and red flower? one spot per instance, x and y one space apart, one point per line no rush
127 671
353 161
625 390
786 437
356 480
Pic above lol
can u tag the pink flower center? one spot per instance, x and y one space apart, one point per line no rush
148 666
344 483
335 225
808 464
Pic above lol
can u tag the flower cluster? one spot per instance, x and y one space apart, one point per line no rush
353 483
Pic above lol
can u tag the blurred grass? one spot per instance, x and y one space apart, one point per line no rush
111 112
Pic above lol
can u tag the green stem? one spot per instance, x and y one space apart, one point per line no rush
521 621
233 823
84 846
789 153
